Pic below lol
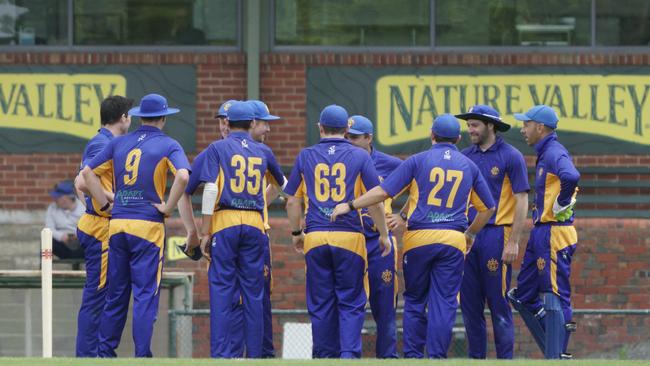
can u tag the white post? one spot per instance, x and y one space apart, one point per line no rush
46 287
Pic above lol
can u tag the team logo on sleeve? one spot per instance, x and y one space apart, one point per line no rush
493 265
540 172
494 171
267 271
541 263
142 137
387 276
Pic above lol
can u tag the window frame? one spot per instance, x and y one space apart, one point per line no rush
70 47
432 48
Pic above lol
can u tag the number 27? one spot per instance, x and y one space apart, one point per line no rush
439 177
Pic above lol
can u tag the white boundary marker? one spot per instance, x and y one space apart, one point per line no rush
46 290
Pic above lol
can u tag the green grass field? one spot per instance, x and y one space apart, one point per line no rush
362 362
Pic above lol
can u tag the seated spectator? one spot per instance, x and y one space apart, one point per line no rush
62 217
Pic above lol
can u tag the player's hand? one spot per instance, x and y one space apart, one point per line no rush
192 253
193 241
395 222
340 209
205 246
162 208
110 196
563 213
385 245
299 242
510 252
469 241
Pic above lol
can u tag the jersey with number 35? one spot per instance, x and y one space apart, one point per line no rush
140 162
442 183
240 167
326 174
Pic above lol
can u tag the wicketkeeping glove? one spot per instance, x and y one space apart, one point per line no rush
563 213
194 253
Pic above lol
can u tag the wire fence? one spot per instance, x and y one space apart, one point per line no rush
602 333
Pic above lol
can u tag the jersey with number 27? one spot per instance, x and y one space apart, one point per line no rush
442 182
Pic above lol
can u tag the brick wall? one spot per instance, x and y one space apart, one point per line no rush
611 270
612 264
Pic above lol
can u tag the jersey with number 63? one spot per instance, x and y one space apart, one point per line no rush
442 182
140 161
326 174
240 167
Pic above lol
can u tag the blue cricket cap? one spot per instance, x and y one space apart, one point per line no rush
540 113
334 116
153 105
360 126
446 125
262 111
65 188
240 111
223 110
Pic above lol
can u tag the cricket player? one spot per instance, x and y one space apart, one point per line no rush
262 127
234 174
382 271
324 175
140 162
441 183
543 292
92 229
488 266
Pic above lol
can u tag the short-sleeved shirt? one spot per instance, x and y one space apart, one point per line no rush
326 174
442 181
505 173
384 164
555 178
195 178
240 166
140 161
94 147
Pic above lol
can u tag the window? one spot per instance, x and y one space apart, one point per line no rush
623 23
352 23
33 22
513 23
155 22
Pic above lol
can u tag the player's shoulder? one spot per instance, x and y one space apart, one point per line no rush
468 150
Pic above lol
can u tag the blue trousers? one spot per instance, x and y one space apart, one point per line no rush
486 277
382 277
92 232
432 277
547 268
336 296
237 326
237 265
135 258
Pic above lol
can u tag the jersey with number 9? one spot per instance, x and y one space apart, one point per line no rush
140 161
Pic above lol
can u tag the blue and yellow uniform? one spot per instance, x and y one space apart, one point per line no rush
324 175
486 276
237 324
140 162
239 167
441 182
92 232
546 266
382 271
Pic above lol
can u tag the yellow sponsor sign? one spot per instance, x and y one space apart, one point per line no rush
616 106
61 103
